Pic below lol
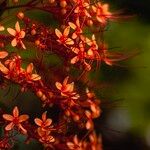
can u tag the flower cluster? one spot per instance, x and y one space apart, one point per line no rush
55 85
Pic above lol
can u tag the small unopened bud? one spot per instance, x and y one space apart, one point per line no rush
76 118
33 32
50 94
67 113
43 98
20 15
51 1
2 45
39 93
63 3
15 1
89 22
89 125
63 11
37 42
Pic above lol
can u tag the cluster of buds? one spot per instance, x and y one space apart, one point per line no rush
55 86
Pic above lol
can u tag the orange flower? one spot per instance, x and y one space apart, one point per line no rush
15 120
63 38
44 122
102 13
76 144
45 136
89 124
65 88
81 54
82 8
76 27
30 76
18 35
93 46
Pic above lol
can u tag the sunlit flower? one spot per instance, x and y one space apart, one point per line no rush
80 53
75 27
45 136
75 144
43 123
63 37
82 8
18 35
93 46
29 75
102 12
15 120
65 87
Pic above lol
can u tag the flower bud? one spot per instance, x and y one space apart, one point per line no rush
63 3
20 15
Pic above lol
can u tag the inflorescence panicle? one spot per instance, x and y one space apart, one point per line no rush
76 49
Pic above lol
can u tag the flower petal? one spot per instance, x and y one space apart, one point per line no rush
9 126
58 33
17 26
15 111
8 117
65 80
14 42
51 139
11 31
29 68
69 41
75 139
75 50
74 35
89 125
38 121
3 54
22 34
22 128
72 25
3 69
90 52
22 45
66 31
23 118
44 116
69 87
78 22
71 145
35 77
74 60
48 122
2 28
58 85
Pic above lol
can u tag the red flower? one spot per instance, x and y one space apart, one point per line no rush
43 123
63 37
15 120
18 35
102 13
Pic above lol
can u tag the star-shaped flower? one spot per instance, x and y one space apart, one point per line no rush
65 87
15 120
63 37
18 35
43 123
